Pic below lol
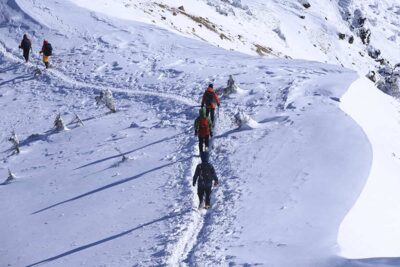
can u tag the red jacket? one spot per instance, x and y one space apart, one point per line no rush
210 93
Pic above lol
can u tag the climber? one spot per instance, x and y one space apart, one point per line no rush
204 176
203 129
210 98
26 46
47 51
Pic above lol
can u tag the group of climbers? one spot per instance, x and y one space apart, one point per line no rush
205 173
203 128
46 51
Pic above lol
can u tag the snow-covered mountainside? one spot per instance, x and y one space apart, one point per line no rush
294 146
362 35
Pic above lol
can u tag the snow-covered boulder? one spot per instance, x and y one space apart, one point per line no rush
244 121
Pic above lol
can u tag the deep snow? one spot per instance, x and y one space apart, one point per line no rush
287 180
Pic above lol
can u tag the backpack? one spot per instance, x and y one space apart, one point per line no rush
26 44
48 50
209 98
204 127
205 177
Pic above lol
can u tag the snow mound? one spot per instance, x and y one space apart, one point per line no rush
244 121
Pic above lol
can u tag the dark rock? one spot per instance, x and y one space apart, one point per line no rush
342 36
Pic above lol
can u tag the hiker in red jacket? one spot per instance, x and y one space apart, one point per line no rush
203 129
210 98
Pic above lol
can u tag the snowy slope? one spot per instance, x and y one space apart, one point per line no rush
273 28
288 177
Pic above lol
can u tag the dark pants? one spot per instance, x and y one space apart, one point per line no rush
211 112
205 141
26 55
201 191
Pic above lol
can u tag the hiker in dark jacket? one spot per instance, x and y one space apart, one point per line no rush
26 46
47 52
204 176
210 100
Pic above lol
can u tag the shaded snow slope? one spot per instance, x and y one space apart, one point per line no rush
286 183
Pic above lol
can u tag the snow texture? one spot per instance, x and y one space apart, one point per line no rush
295 142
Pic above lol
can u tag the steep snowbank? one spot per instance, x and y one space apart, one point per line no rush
371 229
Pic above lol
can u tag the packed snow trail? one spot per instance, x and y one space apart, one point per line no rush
277 164
189 237
83 85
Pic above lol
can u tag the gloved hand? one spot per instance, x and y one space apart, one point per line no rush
211 134
194 184
195 133
216 183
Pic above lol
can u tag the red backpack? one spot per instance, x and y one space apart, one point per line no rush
204 127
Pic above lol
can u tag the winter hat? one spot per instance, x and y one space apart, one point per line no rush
204 157
210 85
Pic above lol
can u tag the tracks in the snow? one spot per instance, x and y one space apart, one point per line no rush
188 239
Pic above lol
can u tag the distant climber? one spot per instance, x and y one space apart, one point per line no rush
26 46
47 51
210 98
203 129
204 176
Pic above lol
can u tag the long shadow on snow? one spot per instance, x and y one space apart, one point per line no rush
112 185
107 239
226 134
38 137
33 138
11 67
19 79
131 151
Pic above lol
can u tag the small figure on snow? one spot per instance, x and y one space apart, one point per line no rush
11 177
231 87
59 123
210 98
14 139
204 176
47 51
26 46
107 98
203 129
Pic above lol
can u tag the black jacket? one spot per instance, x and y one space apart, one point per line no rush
26 44
204 175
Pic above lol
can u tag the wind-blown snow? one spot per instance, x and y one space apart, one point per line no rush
116 191
371 228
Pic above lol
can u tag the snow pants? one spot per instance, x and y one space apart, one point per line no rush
26 54
203 141
204 190
46 61
211 112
